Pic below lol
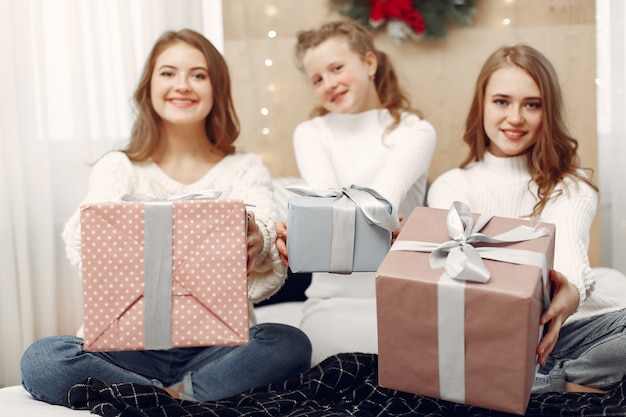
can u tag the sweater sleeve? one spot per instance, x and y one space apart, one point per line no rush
251 183
111 176
573 213
410 150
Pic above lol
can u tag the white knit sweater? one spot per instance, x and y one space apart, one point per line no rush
500 186
238 176
339 150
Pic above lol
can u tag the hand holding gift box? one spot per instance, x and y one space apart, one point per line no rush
159 274
471 342
339 231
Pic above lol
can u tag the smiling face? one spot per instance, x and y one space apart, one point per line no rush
180 87
513 111
343 82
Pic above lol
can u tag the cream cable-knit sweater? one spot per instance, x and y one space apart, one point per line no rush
238 176
339 150
499 186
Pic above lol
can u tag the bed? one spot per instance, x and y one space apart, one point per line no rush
342 385
15 401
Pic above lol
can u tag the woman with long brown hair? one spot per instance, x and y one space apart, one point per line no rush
182 142
523 163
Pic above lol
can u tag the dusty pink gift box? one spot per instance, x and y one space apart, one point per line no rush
501 318
164 274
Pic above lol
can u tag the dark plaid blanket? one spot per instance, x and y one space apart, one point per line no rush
342 385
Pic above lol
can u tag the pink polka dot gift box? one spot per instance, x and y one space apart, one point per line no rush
164 274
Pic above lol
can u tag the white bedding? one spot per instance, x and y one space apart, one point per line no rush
286 313
15 401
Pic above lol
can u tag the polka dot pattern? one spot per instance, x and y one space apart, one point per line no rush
209 282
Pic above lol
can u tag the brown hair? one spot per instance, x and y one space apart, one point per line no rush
361 41
221 125
554 156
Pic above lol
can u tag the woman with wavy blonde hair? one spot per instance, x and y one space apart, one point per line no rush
361 41
363 132
523 163
554 156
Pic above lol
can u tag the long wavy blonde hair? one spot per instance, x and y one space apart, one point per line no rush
554 156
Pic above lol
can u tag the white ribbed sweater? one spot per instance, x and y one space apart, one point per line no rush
500 186
339 150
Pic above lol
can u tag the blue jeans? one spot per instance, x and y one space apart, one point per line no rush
51 366
590 352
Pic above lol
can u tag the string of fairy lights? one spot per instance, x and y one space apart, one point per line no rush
271 12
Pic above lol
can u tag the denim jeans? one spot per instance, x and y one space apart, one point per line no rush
51 366
590 352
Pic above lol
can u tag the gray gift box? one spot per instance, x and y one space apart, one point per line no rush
323 233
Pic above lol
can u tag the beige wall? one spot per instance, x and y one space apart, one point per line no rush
438 75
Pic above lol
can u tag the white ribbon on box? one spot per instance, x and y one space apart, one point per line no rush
158 265
463 262
344 208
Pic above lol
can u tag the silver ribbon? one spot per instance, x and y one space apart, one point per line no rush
199 195
462 262
344 218
158 271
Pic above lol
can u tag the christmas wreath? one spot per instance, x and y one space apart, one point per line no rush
416 19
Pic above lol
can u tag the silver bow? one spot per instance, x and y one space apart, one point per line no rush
462 260
367 199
